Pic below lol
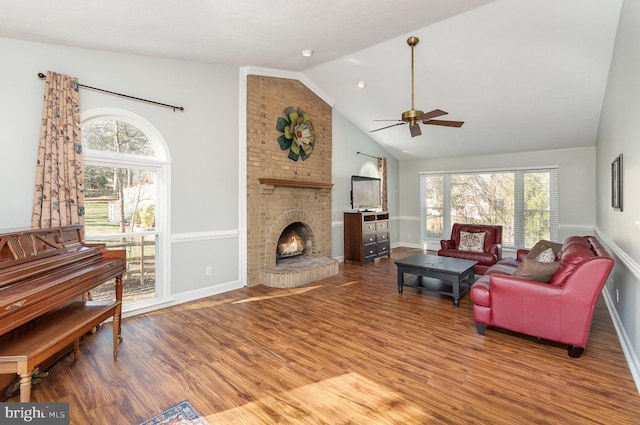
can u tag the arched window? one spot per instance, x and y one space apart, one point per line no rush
126 167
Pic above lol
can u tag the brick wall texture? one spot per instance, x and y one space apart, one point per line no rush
270 208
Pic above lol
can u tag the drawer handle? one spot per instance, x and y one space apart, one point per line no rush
16 305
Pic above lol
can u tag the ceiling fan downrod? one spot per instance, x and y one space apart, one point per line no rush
412 41
412 116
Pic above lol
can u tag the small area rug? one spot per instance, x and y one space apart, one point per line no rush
180 414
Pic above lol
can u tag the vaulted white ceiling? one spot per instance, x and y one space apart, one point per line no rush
523 75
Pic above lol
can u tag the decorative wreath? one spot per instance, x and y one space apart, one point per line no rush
298 133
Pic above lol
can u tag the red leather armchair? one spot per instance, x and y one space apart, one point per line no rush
492 249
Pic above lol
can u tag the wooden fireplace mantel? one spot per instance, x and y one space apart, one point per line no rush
296 183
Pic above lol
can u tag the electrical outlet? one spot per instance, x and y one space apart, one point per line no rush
617 295
208 271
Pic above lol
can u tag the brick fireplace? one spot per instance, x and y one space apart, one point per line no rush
282 192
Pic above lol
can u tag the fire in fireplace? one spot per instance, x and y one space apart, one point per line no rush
294 240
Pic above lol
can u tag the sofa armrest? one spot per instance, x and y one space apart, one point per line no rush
448 244
479 292
521 254
496 249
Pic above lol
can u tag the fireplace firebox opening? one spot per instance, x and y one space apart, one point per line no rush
295 240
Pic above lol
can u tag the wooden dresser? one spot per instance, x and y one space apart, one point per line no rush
366 236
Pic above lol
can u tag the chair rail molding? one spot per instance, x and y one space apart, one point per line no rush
205 236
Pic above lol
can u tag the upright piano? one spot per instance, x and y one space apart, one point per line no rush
46 276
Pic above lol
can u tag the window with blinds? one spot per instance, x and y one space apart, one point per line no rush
523 201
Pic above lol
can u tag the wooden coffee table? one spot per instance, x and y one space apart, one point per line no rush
439 274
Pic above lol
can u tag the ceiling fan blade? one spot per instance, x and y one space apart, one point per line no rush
389 120
415 130
445 123
433 114
389 126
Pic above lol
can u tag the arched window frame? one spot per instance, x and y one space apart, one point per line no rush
161 163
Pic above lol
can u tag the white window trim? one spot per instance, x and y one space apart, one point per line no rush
161 164
430 243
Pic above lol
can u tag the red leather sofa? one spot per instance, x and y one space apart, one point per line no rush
560 310
492 251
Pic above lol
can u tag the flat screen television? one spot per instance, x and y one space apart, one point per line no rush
365 193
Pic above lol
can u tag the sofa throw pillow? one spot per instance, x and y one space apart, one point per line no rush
546 256
543 245
472 241
535 270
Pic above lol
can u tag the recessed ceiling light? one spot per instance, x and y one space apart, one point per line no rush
362 84
307 53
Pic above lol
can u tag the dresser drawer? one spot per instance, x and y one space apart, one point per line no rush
382 225
382 237
369 238
369 227
371 251
383 248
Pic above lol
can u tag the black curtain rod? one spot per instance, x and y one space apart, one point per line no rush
41 75
371 156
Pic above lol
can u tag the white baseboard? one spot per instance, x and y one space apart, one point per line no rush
408 245
183 297
627 348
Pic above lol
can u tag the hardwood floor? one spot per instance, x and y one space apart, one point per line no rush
344 350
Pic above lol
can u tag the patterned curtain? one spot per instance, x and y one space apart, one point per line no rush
382 171
59 191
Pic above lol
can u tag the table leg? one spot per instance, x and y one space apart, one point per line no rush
470 277
456 292
400 280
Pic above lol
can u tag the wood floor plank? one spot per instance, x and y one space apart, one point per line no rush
343 350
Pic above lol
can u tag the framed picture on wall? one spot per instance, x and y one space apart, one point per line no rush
616 183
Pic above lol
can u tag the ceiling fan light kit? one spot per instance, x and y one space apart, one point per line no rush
414 117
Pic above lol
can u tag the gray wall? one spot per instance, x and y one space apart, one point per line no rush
205 147
348 140
203 144
619 133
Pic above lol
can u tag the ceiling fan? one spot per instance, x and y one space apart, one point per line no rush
414 117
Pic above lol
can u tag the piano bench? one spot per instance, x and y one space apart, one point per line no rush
24 348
